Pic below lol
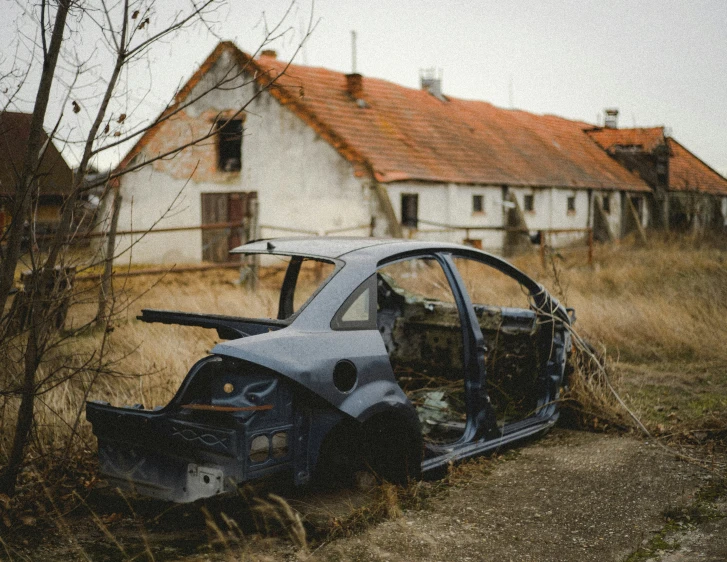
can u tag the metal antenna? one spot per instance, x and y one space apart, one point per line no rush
353 52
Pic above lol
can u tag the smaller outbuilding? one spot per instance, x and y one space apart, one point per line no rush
53 179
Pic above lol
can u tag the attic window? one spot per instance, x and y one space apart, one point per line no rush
571 204
229 143
410 210
529 203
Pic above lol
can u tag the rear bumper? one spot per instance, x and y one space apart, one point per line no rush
157 454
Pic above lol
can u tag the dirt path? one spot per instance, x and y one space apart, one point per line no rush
570 496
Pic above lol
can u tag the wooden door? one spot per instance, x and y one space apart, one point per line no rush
224 208
214 241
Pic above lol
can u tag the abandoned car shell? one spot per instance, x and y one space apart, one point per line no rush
392 363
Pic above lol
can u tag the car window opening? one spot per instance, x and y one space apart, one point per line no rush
419 322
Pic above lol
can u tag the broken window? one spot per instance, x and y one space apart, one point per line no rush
606 204
410 210
421 328
512 337
478 203
571 204
229 140
529 202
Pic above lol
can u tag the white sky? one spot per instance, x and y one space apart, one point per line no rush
661 62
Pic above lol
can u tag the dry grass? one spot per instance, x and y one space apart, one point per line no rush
658 314
654 310
659 309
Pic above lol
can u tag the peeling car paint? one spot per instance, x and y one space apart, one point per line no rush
390 365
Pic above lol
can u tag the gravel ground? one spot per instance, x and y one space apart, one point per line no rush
570 496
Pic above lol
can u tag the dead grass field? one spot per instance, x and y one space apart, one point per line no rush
658 313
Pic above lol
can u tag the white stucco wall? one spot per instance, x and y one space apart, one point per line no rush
451 204
300 180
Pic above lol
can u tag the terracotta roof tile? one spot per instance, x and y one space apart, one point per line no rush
399 133
686 171
645 138
689 173
407 134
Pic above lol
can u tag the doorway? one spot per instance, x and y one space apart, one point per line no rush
235 213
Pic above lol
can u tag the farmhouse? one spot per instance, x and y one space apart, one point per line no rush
54 178
318 151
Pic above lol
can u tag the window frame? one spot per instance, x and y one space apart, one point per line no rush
226 139
337 322
406 219
570 204
529 203
478 200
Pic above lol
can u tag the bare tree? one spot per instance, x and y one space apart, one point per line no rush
126 30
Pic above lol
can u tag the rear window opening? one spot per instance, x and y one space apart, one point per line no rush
283 284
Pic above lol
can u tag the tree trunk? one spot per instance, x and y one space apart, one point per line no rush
21 199
24 422
20 209
105 288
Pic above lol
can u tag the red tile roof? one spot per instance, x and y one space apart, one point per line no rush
686 171
407 134
689 173
646 139
398 133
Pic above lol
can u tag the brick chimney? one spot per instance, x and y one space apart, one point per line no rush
354 85
272 53
611 120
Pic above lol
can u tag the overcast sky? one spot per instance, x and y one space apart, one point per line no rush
659 62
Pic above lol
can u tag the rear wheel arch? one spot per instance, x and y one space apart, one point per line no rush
393 445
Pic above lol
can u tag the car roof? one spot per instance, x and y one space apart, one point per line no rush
337 247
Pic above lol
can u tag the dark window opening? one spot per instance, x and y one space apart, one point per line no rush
572 204
606 204
230 145
410 210
529 203
478 203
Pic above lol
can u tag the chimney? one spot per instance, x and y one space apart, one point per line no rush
431 81
611 120
269 53
354 85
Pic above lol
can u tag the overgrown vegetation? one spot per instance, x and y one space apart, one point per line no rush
655 316
657 333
